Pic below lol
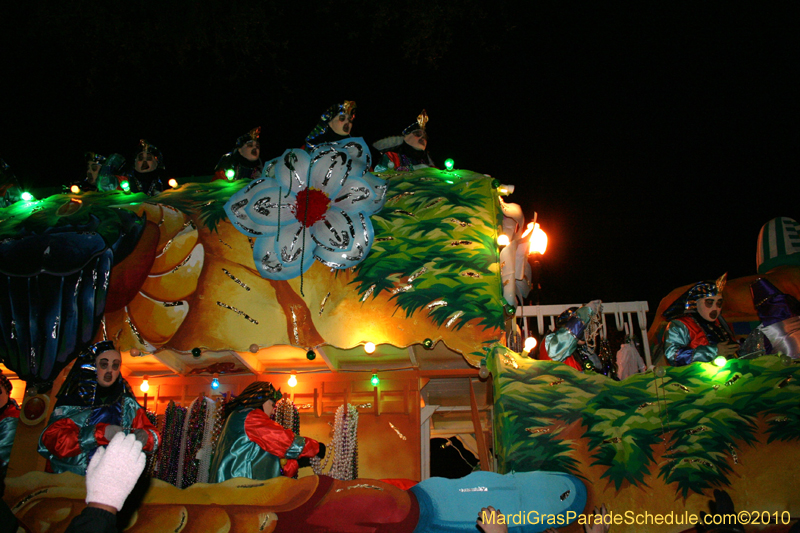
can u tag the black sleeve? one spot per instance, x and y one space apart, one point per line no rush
93 520
7 518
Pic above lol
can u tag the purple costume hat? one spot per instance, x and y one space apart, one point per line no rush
771 304
780 323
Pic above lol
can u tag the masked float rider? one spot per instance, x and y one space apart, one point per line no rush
243 163
334 125
254 446
94 404
697 331
572 343
100 173
94 162
408 151
148 174
9 416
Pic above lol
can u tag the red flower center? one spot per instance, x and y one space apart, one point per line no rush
311 206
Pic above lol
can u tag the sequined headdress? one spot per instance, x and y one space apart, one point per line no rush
348 107
687 302
420 124
564 317
254 395
252 135
147 148
92 157
100 347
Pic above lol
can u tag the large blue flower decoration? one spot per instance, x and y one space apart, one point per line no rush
310 206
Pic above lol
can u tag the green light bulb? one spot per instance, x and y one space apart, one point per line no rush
230 173
126 186
720 360
449 164
26 196
375 381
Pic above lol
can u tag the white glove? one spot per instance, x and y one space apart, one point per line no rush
113 471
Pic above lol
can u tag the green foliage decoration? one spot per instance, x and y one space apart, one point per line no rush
207 200
685 428
60 210
442 236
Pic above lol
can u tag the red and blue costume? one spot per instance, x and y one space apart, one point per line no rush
689 337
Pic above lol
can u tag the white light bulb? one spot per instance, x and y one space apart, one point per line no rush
530 344
484 370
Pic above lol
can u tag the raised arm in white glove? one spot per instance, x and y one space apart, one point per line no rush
113 471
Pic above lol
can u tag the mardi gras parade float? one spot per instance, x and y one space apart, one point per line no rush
367 308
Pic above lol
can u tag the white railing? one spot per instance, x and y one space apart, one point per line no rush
623 313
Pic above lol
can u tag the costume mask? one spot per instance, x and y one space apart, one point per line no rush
251 150
342 123
92 170
145 163
108 364
417 139
710 308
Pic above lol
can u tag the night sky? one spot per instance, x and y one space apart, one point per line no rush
654 141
